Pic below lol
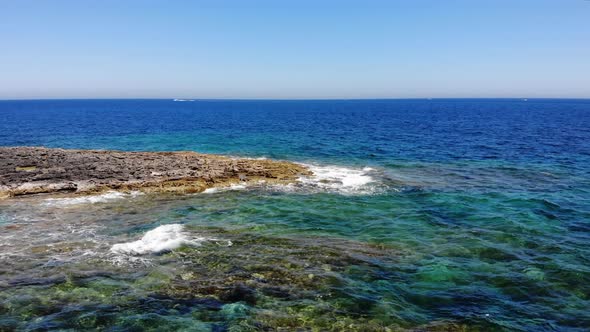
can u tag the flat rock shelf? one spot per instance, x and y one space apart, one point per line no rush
39 170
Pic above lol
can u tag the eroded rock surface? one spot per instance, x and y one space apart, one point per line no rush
33 170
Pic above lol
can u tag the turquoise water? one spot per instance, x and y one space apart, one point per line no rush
424 214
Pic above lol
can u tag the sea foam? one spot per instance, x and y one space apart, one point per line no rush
221 189
325 178
160 239
340 179
109 196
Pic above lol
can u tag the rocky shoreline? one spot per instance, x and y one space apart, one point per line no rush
39 170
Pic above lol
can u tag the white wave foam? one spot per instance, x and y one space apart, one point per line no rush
341 179
221 189
109 196
160 239
325 178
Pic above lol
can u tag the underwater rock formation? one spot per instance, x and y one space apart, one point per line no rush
34 170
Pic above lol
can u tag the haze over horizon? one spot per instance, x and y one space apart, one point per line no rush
295 50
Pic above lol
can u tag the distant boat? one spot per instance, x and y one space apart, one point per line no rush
183 100
525 99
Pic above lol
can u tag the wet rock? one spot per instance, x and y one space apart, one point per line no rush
19 282
239 293
277 292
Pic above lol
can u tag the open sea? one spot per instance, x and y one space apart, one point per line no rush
429 215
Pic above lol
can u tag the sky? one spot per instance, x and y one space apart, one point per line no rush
294 49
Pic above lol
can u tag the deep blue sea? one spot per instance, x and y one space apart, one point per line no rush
430 215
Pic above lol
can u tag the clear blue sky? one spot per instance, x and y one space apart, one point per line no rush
294 49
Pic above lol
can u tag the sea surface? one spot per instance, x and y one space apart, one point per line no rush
444 214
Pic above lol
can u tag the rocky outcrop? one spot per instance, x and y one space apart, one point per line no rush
34 170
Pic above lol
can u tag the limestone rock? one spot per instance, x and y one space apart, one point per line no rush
34 170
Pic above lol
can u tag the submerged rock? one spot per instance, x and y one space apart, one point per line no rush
283 283
239 293
34 170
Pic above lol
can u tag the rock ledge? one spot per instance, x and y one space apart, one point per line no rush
36 170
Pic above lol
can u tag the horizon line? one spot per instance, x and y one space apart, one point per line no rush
193 99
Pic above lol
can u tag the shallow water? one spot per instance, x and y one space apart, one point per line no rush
457 214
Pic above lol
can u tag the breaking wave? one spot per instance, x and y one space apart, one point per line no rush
221 189
325 179
342 180
109 196
160 239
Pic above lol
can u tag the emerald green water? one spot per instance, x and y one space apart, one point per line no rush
438 216
403 258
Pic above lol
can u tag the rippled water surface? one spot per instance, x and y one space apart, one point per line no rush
422 214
